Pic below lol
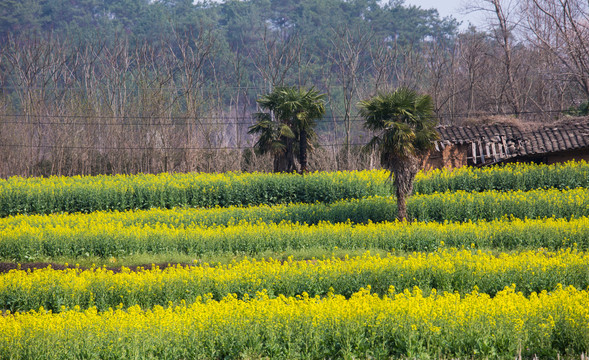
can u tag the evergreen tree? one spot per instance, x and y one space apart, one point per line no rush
291 118
405 130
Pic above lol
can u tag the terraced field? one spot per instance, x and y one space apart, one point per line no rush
494 264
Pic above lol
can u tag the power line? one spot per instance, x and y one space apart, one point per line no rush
126 117
124 123
262 88
26 146
337 119
154 125
196 123
210 119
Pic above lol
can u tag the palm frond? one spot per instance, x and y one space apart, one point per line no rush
404 120
373 144
289 113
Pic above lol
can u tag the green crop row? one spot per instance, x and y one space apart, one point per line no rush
489 205
121 192
23 242
447 270
399 325
456 206
516 176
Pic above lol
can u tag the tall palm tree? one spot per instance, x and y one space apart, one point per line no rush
274 139
405 130
311 107
288 126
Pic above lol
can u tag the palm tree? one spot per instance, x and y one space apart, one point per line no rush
310 108
289 125
274 139
405 130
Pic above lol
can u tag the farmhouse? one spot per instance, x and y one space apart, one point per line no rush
482 145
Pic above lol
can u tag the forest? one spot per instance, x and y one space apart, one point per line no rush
140 86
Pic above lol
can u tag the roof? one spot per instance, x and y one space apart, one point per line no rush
553 138
493 143
486 133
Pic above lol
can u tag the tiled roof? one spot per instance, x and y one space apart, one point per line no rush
518 142
495 143
485 133
566 136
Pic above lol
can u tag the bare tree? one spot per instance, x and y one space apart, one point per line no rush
278 56
382 57
503 17
473 52
37 73
393 65
440 60
190 53
349 47
561 27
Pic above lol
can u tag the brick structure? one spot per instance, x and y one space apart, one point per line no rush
483 145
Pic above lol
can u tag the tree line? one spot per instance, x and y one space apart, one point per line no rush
130 86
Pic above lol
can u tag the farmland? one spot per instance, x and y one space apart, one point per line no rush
493 264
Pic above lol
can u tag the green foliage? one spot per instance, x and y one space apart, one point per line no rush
291 118
272 134
446 270
489 205
579 110
92 193
445 290
517 176
234 17
239 28
352 224
404 123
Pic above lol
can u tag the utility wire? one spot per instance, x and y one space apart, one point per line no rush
146 148
210 119
336 119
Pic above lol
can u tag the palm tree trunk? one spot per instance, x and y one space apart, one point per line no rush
404 170
280 163
401 206
303 151
290 163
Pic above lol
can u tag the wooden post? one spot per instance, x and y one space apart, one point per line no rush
474 153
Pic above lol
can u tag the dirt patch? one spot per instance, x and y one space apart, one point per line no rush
7 266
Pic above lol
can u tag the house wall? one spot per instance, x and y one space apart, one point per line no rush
432 161
455 156
452 156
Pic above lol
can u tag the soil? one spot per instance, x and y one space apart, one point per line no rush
7 266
